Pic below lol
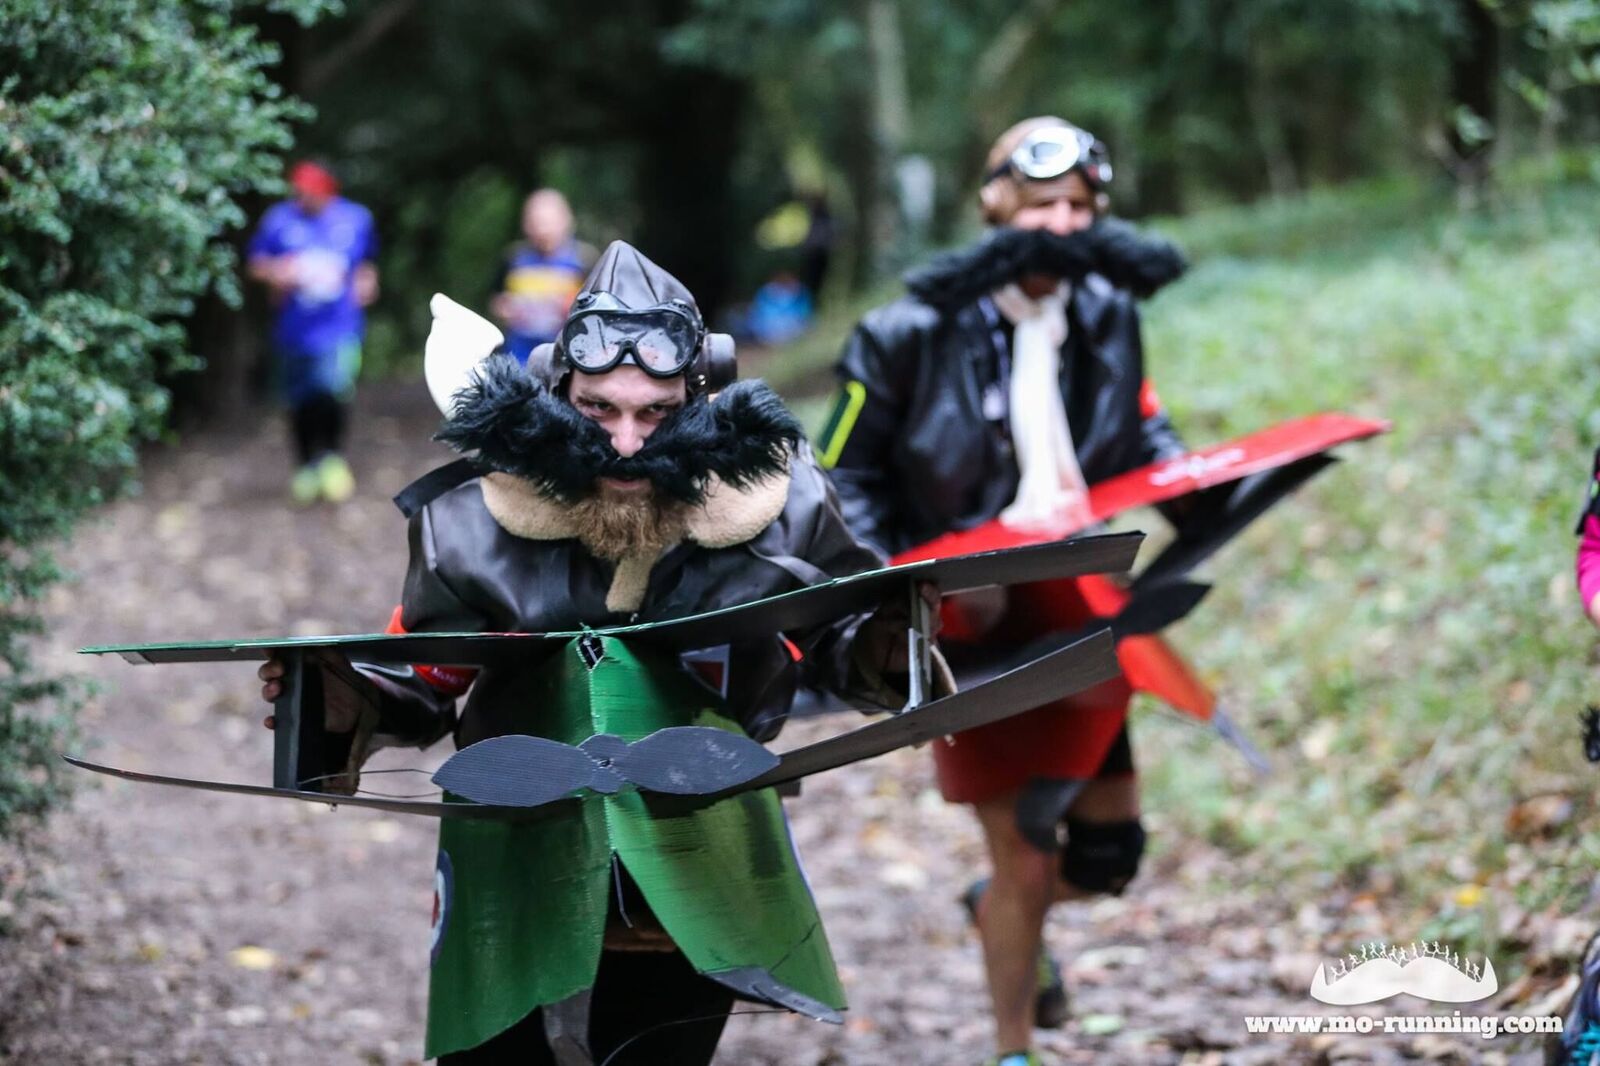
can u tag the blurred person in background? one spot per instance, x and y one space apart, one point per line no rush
1579 1040
816 249
1588 532
315 254
1008 404
780 311
540 274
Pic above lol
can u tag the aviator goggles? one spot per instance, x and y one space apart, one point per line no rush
1052 151
600 334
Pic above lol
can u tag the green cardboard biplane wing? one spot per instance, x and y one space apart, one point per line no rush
626 761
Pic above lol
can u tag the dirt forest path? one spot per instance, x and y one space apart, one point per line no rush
164 926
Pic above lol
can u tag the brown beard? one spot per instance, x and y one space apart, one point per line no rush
613 526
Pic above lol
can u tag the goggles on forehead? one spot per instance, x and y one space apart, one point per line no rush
1052 151
601 334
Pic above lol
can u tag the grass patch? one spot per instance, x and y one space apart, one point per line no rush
1404 637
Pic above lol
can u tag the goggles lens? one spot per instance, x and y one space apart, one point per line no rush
1045 157
662 341
1052 151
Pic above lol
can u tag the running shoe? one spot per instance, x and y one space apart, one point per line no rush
337 482
305 486
1015 1058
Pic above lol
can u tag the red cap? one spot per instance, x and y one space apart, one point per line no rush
310 179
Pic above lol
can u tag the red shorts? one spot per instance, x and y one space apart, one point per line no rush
1066 739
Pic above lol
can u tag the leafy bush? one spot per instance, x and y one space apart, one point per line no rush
1403 636
128 131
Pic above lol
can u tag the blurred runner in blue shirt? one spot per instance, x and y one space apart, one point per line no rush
780 311
315 253
540 275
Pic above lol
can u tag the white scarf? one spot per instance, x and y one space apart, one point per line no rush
1052 489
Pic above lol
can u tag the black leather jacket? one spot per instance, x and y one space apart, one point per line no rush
919 443
470 572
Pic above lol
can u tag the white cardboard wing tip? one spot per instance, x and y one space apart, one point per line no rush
459 340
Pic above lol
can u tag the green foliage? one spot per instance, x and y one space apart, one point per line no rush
474 224
128 130
1403 637
1200 100
1564 36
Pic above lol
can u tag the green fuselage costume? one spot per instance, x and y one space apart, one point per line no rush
524 906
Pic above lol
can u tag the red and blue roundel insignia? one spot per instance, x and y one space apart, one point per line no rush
444 892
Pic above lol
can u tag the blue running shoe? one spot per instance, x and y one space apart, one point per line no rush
1015 1058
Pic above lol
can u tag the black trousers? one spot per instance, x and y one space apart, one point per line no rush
650 1008
318 427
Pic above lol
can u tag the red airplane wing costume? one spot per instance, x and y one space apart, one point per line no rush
1148 662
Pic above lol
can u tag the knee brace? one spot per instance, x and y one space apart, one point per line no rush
1102 856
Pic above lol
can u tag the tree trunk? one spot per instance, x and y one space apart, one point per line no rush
860 164
317 74
1474 88
1283 177
1155 186
891 123
688 144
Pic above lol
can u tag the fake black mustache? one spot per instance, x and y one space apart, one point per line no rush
515 426
1111 248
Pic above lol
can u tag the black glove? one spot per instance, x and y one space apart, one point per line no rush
1112 248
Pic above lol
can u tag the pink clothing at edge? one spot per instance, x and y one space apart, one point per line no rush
1589 560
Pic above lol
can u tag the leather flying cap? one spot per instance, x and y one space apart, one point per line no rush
630 277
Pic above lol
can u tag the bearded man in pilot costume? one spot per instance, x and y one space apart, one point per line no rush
621 477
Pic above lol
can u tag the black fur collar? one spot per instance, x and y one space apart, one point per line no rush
1110 248
513 425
